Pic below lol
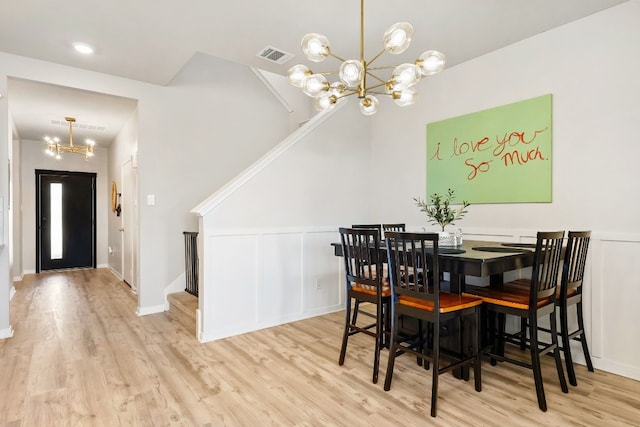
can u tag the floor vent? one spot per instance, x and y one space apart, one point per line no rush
272 54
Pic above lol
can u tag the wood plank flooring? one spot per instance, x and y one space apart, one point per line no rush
81 357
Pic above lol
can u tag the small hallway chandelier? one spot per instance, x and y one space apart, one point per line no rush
358 77
56 148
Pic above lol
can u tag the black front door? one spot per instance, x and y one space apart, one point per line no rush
65 211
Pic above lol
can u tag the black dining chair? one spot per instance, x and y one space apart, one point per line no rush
393 227
570 295
528 299
375 226
365 282
418 295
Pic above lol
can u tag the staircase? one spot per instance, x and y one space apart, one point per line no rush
182 308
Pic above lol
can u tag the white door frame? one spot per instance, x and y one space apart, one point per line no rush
129 223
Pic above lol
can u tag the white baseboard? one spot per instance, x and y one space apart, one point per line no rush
12 292
6 333
144 311
613 367
225 332
114 272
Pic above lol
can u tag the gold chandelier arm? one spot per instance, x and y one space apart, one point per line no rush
333 55
379 93
368 89
349 93
377 78
385 67
377 56
362 31
70 120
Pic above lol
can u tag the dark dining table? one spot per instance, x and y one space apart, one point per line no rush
476 258
473 258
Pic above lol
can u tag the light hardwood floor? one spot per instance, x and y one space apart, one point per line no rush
81 356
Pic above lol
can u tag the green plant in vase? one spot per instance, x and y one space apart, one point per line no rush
441 210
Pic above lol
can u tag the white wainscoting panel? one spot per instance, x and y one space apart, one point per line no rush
324 280
280 290
253 279
231 296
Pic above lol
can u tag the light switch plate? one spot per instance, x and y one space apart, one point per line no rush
151 199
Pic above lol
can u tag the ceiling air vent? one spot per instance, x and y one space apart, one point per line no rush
64 123
272 54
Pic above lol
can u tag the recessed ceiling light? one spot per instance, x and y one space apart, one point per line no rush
83 48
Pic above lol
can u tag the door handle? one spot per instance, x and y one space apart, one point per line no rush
122 229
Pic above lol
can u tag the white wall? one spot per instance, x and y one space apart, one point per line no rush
590 66
34 157
5 272
266 255
122 149
16 209
193 135
217 119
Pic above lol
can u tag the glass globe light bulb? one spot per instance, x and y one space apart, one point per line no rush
405 97
369 105
324 101
405 75
315 47
351 73
431 62
337 89
297 74
315 84
397 37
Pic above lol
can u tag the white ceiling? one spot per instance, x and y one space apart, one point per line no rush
150 40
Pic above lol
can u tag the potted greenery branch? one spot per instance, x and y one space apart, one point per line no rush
440 211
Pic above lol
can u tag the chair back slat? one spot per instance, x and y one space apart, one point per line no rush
374 226
413 265
361 254
575 260
393 227
546 265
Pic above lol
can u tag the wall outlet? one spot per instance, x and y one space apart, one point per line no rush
318 285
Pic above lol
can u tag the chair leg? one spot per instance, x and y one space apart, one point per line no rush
347 329
393 348
523 333
477 366
566 344
463 337
535 363
379 338
356 310
498 339
435 370
556 352
583 338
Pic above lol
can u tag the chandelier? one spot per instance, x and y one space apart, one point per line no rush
358 77
55 148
